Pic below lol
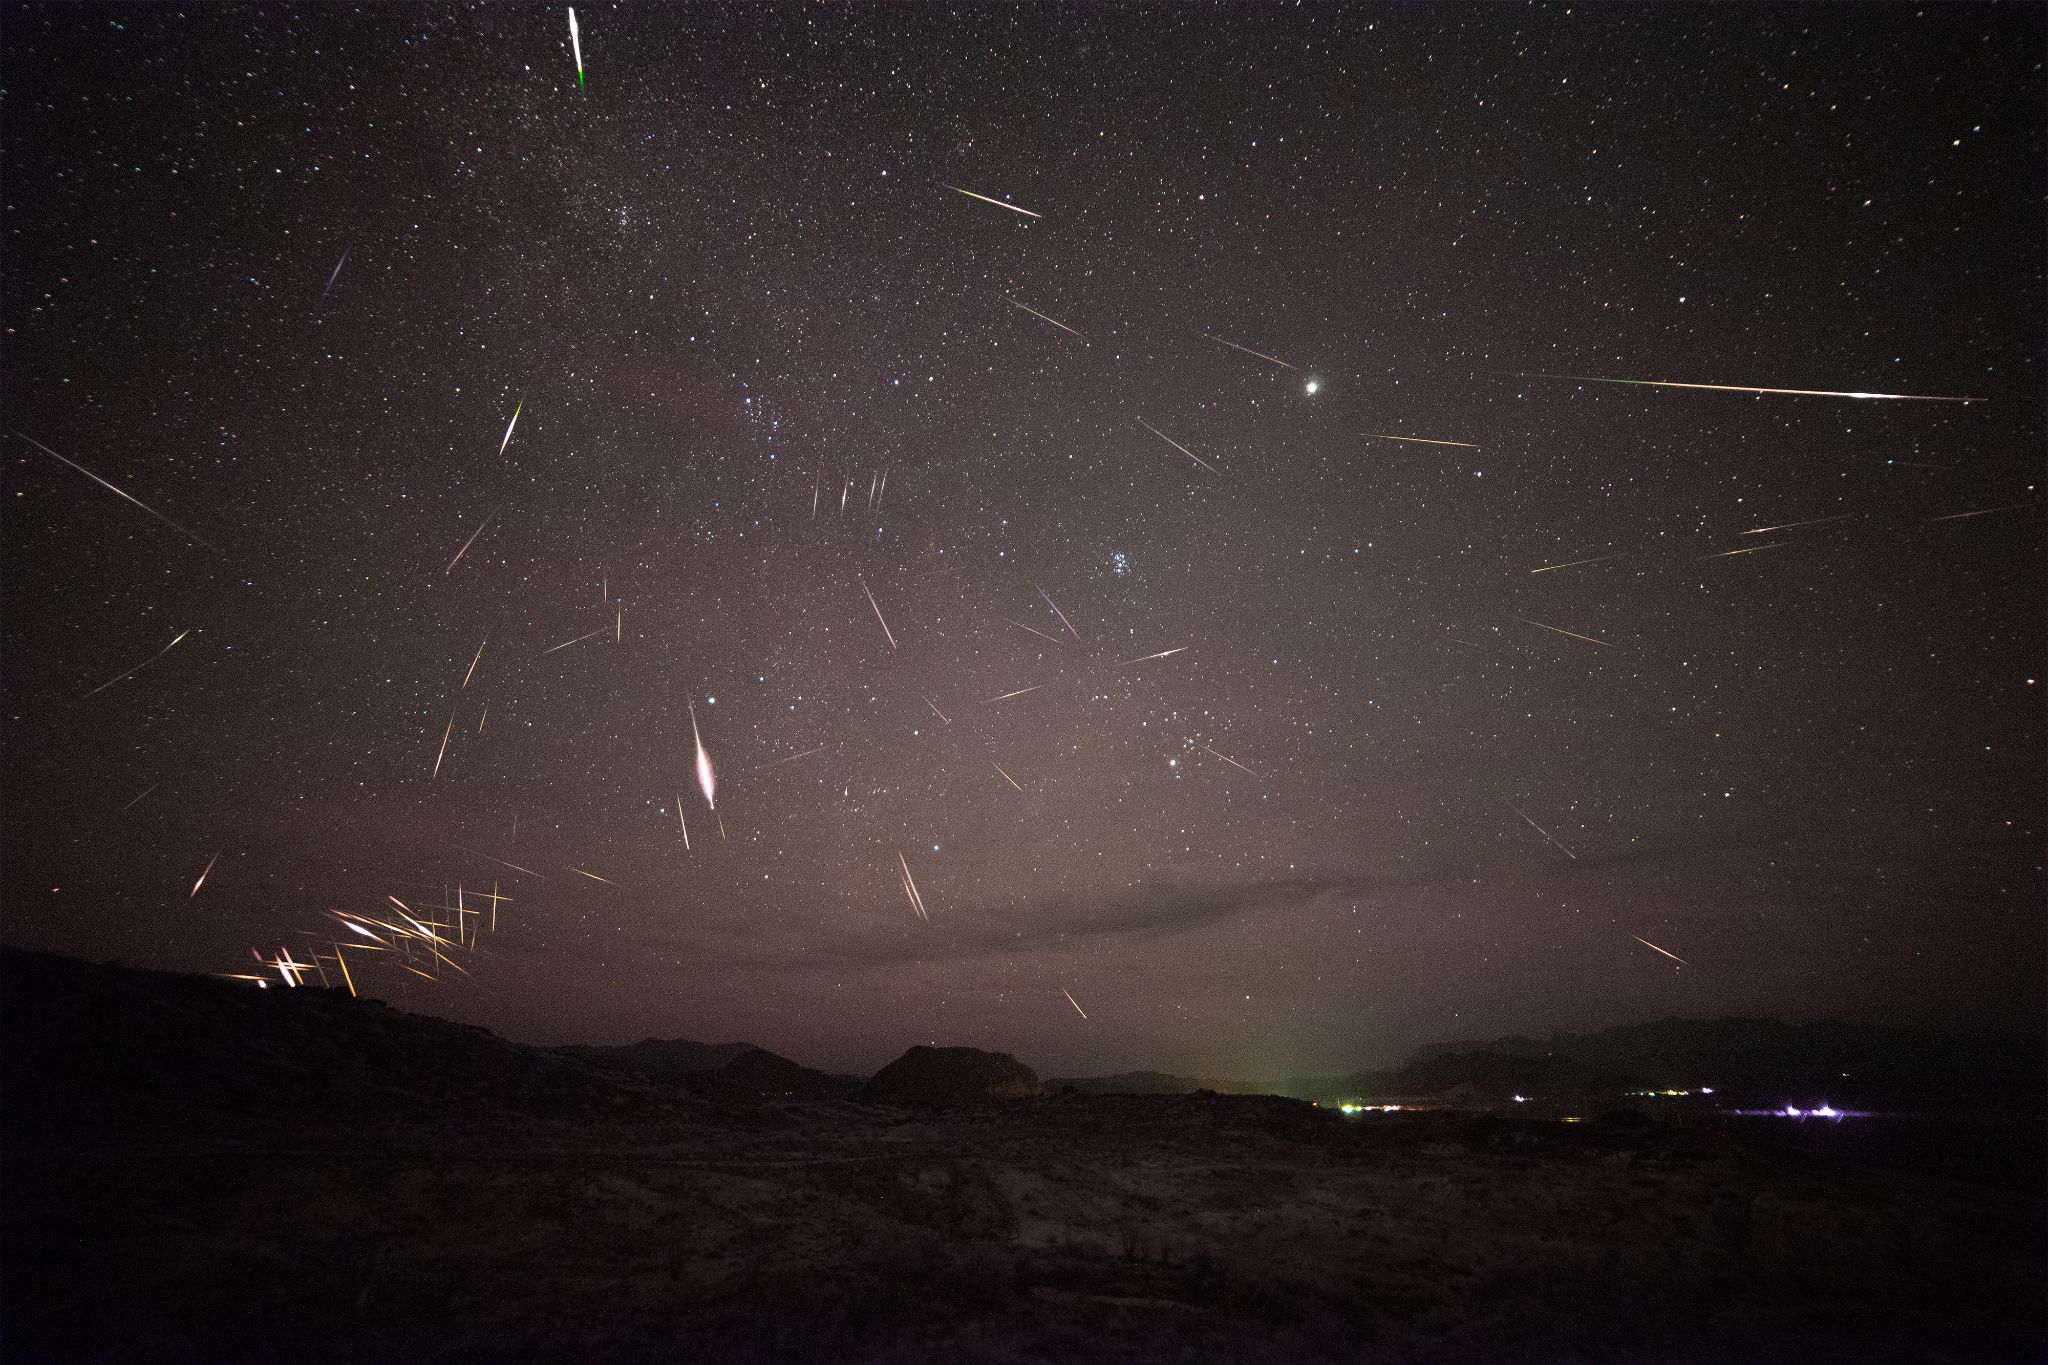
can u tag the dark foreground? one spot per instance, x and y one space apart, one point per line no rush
319 1180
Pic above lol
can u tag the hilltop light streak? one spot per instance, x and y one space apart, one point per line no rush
1248 351
1421 440
1540 830
576 43
997 202
189 535
878 613
1573 564
1788 525
1752 388
137 669
1231 761
1041 317
707 778
1164 653
508 428
1655 949
202 874
910 888
577 641
471 541
1562 631
935 709
1177 445
1069 994
1006 777
1033 629
1057 612
472 665
1018 693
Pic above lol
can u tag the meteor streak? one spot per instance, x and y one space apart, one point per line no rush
685 824
202 875
471 541
444 748
594 877
1421 440
1018 693
1063 990
508 428
1573 564
935 709
137 669
1231 761
1540 830
1177 445
337 272
472 665
791 758
111 489
1748 550
1034 630
1042 317
1655 949
1748 388
577 641
145 791
1562 631
707 780
1248 351
1788 525
1057 612
878 613
576 42
1006 777
501 862
997 202
1958 516
1160 655
910 888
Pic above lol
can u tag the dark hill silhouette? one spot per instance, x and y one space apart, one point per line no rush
105 1048
667 1059
760 1075
950 1077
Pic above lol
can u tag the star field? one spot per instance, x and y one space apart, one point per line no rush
285 276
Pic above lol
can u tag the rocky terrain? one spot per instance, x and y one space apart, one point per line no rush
200 1172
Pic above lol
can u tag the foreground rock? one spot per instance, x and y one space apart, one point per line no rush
950 1078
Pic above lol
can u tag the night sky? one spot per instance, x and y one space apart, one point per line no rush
734 276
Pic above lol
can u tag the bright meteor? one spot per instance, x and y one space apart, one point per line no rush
1177 445
707 780
576 42
1750 388
1041 317
517 409
1655 949
997 202
1249 351
118 493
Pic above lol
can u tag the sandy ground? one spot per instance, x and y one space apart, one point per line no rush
1072 1228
